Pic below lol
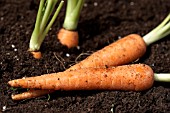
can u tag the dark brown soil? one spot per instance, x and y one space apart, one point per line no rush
101 23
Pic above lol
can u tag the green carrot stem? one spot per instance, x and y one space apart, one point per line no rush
159 32
71 4
49 8
52 21
77 9
41 27
34 37
72 14
162 77
39 15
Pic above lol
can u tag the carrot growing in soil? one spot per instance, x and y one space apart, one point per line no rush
42 26
68 35
121 52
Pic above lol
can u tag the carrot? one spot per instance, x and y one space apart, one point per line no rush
36 54
118 53
68 35
43 24
115 54
135 77
124 50
68 38
30 94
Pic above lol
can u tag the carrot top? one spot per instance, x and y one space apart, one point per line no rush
72 14
161 31
41 26
162 77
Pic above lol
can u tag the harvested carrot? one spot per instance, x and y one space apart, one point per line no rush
68 38
120 52
135 77
124 50
68 35
115 54
30 94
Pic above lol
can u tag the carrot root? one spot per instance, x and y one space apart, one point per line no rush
36 54
30 94
135 49
121 52
135 77
68 38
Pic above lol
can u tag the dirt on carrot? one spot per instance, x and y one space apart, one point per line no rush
68 38
135 77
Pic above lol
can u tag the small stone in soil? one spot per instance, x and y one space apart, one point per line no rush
2 18
13 46
78 47
4 108
67 55
95 3
15 49
131 3
85 4
119 37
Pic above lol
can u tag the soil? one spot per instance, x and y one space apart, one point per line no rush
101 23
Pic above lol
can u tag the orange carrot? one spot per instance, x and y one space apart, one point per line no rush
135 77
36 54
68 35
115 54
68 38
30 94
123 51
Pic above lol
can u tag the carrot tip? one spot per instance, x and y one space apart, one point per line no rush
10 83
37 54
18 97
32 93
14 97
68 38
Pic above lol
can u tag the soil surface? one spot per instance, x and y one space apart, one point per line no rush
101 23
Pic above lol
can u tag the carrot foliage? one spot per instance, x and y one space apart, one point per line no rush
72 14
161 31
43 22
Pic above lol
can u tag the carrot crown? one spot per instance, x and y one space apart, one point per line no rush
42 26
161 31
72 14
